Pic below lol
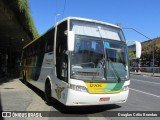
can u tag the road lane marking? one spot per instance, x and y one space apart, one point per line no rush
146 81
144 92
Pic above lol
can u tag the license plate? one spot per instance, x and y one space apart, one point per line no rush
104 99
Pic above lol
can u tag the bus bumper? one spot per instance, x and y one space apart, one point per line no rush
76 98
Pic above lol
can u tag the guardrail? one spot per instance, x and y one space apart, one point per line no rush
146 69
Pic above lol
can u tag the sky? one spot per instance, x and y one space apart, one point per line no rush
141 15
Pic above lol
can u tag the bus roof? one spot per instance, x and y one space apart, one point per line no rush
74 18
88 20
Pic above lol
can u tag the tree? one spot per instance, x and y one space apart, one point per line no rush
131 54
148 48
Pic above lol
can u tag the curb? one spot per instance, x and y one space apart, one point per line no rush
146 74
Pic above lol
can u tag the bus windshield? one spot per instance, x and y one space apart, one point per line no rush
95 60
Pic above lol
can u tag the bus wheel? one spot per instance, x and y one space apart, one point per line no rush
48 92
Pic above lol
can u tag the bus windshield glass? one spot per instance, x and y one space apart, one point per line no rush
95 60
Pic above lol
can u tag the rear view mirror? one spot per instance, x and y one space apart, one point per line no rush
135 47
138 49
71 40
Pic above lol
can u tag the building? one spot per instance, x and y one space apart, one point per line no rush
16 30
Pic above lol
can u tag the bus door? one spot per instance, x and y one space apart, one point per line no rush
61 85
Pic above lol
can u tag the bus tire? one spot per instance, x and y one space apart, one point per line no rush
47 92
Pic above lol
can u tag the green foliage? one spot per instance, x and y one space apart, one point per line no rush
131 54
147 51
157 53
22 13
24 8
149 47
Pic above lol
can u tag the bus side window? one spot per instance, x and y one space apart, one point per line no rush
61 57
42 46
50 41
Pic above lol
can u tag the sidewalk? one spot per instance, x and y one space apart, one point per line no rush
146 74
15 96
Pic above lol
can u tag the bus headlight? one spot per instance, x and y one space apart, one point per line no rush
125 88
78 88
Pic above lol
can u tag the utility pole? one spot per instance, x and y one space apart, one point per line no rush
55 18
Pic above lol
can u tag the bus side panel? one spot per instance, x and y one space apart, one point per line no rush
59 87
47 71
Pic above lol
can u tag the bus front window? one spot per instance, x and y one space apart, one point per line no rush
97 60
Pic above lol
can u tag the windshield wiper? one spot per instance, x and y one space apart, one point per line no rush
106 69
119 79
109 61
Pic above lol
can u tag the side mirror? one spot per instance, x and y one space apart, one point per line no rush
136 47
71 40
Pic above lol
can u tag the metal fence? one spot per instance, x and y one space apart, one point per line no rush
146 69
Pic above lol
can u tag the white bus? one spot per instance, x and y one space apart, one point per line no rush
79 62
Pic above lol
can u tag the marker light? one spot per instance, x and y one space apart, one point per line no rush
125 88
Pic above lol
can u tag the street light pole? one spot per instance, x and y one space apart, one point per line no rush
55 18
147 38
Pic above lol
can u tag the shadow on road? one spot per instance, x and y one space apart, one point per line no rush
5 80
81 110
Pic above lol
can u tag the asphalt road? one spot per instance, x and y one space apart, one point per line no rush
144 96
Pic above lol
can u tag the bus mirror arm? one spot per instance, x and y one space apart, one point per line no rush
71 40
